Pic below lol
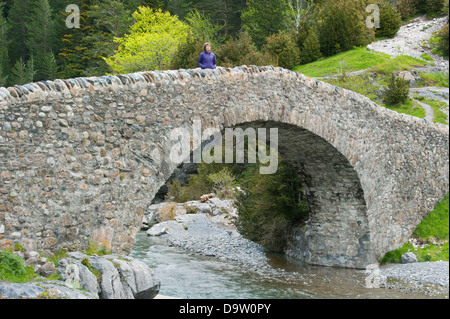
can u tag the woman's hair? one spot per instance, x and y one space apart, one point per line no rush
204 46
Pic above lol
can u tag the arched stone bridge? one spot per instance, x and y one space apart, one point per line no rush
79 162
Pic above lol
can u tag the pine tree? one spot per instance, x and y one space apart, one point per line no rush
22 73
17 18
264 18
78 58
39 40
4 60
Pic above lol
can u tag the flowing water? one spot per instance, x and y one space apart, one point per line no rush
189 276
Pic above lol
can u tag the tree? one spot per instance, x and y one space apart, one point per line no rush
390 20
341 27
112 20
17 19
226 13
151 43
241 51
4 58
22 73
39 40
203 28
283 49
298 9
310 50
264 18
80 55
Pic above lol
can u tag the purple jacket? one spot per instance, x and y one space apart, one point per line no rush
207 60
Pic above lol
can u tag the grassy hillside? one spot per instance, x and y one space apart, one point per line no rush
356 60
431 237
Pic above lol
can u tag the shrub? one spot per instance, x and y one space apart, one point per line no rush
12 268
283 49
240 51
434 6
444 40
187 54
390 21
341 28
223 183
397 91
311 48
406 8
270 205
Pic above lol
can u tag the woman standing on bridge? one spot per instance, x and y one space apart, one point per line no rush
207 59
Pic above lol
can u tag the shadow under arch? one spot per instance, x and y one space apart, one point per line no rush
337 231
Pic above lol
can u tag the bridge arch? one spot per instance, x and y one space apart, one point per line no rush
82 158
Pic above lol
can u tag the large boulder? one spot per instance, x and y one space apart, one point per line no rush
117 277
408 258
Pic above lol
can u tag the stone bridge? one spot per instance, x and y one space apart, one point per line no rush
81 159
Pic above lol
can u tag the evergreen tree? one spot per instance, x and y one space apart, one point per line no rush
18 16
22 73
40 40
4 60
226 13
264 18
77 56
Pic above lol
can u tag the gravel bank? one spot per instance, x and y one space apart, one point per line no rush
431 278
203 235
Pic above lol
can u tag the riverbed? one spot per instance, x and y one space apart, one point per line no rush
188 275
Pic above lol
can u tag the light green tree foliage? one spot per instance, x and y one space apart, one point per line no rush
151 43
203 28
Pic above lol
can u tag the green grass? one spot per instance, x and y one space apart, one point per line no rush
363 84
433 79
434 227
439 116
437 106
13 268
436 224
358 59
410 108
426 57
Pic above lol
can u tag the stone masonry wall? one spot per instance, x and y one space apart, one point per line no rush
81 159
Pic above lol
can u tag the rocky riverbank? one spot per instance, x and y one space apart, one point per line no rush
89 277
430 278
210 232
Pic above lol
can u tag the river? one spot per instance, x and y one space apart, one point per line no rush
190 276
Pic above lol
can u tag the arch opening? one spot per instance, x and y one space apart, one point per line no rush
336 231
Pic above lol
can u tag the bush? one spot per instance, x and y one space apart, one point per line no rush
224 183
341 28
270 205
397 91
406 8
12 268
283 49
390 21
187 54
434 6
240 51
444 40
311 48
